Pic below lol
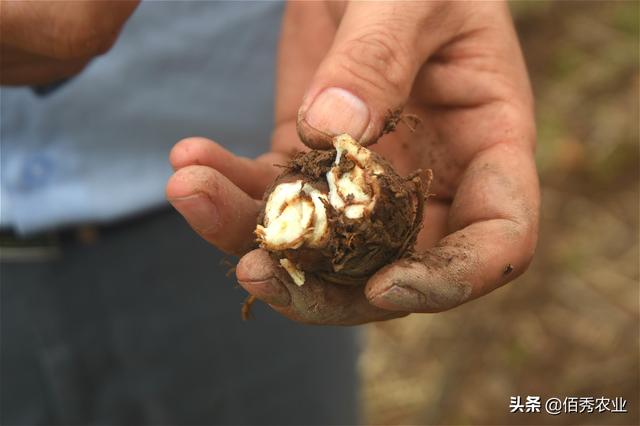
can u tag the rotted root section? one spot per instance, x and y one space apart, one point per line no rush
341 214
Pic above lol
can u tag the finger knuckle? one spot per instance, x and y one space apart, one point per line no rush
84 34
378 58
517 123
82 44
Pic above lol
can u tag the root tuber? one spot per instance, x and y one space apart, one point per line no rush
341 214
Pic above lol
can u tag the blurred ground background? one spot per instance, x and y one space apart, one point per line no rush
570 325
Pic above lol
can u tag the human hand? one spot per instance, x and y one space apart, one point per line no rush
43 42
353 66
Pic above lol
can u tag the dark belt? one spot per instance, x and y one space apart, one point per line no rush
50 245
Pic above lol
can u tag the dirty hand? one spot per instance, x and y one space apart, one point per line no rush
352 67
43 42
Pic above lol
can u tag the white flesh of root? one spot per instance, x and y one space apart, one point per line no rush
296 274
295 214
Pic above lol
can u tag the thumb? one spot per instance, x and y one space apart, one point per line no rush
366 77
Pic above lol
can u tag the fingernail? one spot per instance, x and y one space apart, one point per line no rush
198 210
400 299
271 291
335 111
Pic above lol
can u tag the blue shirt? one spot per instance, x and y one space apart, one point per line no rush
95 150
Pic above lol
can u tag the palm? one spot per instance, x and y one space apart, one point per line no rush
476 133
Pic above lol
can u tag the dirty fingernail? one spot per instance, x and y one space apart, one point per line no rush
198 210
399 299
271 291
335 111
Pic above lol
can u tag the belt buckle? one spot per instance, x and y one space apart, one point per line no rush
44 247
32 249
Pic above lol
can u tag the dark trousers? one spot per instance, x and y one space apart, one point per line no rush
143 327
